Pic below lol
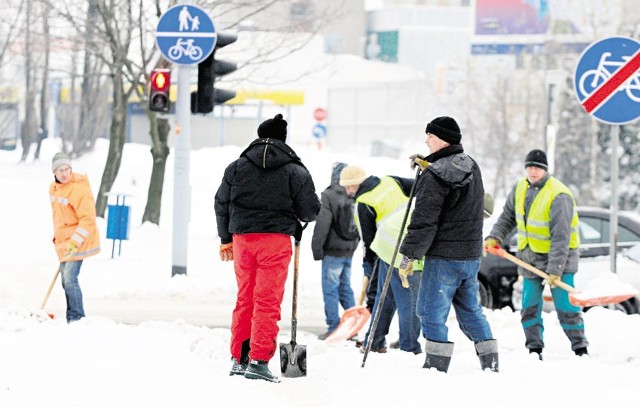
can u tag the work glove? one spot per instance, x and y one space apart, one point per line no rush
418 160
71 249
488 205
488 243
405 270
552 280
226 252
297 235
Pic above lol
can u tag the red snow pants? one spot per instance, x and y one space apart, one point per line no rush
261 263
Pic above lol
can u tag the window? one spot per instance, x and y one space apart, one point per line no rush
591 230
626 235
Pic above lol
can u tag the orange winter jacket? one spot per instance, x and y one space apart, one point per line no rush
74 218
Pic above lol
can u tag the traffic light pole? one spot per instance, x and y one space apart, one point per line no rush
181 182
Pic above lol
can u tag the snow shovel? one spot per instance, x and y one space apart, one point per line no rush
352 320
293 357
387 280
576 297
46 296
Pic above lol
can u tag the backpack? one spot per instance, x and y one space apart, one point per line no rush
344 223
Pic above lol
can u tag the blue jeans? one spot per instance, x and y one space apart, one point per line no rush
448 282
402 299
336 288
69 271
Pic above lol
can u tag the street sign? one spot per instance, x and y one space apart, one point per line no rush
319 114
607 80
319 130
185 34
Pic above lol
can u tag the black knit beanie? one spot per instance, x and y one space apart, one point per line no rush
445 128
536 158
273 128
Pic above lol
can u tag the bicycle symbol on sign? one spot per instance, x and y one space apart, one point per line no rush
593 78
185 47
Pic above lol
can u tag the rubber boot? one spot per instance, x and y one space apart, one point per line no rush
259 369
238 367
438 355
487 351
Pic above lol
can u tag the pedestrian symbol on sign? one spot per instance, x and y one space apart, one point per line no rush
185 34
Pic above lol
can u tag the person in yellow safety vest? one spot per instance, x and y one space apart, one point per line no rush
375 199
403 292
544 211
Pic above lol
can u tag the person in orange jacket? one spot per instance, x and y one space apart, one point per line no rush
75 234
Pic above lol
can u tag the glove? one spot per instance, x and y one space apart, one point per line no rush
418 160
488 205
405 270
489 243
226 252
297 235
71 249
552 280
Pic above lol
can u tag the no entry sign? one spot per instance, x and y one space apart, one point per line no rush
607 80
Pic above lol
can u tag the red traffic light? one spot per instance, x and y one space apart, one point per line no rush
161 79
159 91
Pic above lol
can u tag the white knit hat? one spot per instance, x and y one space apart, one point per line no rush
58 160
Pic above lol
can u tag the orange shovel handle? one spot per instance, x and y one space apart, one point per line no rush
499 251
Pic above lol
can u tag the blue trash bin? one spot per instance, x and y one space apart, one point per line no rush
118 222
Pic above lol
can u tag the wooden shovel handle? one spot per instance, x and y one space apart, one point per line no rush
46 296
363 292
499 251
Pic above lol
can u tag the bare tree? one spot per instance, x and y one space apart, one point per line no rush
29 126
44 100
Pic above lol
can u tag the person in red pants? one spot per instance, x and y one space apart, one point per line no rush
263 197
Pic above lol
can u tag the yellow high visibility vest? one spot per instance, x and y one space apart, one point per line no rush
386 198
535 232
384 244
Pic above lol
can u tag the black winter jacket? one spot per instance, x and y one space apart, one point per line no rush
447 219
266 190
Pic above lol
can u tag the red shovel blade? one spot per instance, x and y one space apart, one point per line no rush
584 299
351 323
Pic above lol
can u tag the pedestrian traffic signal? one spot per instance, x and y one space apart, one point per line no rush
159 91
209 71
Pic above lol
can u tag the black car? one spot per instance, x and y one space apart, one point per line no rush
497 275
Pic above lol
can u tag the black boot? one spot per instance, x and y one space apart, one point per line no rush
240 366
438 355
538 351
259 369
581 352
487 352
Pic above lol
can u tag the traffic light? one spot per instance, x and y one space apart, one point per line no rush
209 70
159 90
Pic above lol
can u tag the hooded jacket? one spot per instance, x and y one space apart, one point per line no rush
74 218
448 215
266 190
334 233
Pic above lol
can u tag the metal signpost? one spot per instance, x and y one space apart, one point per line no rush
186 36
607 84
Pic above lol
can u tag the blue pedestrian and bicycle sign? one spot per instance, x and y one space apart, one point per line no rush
185 34
607 80
319 130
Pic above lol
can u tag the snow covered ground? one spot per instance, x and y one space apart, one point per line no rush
153 340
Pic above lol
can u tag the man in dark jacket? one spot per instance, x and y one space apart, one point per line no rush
262 199
446 227
335 238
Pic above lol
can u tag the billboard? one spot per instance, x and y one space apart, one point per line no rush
507 17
